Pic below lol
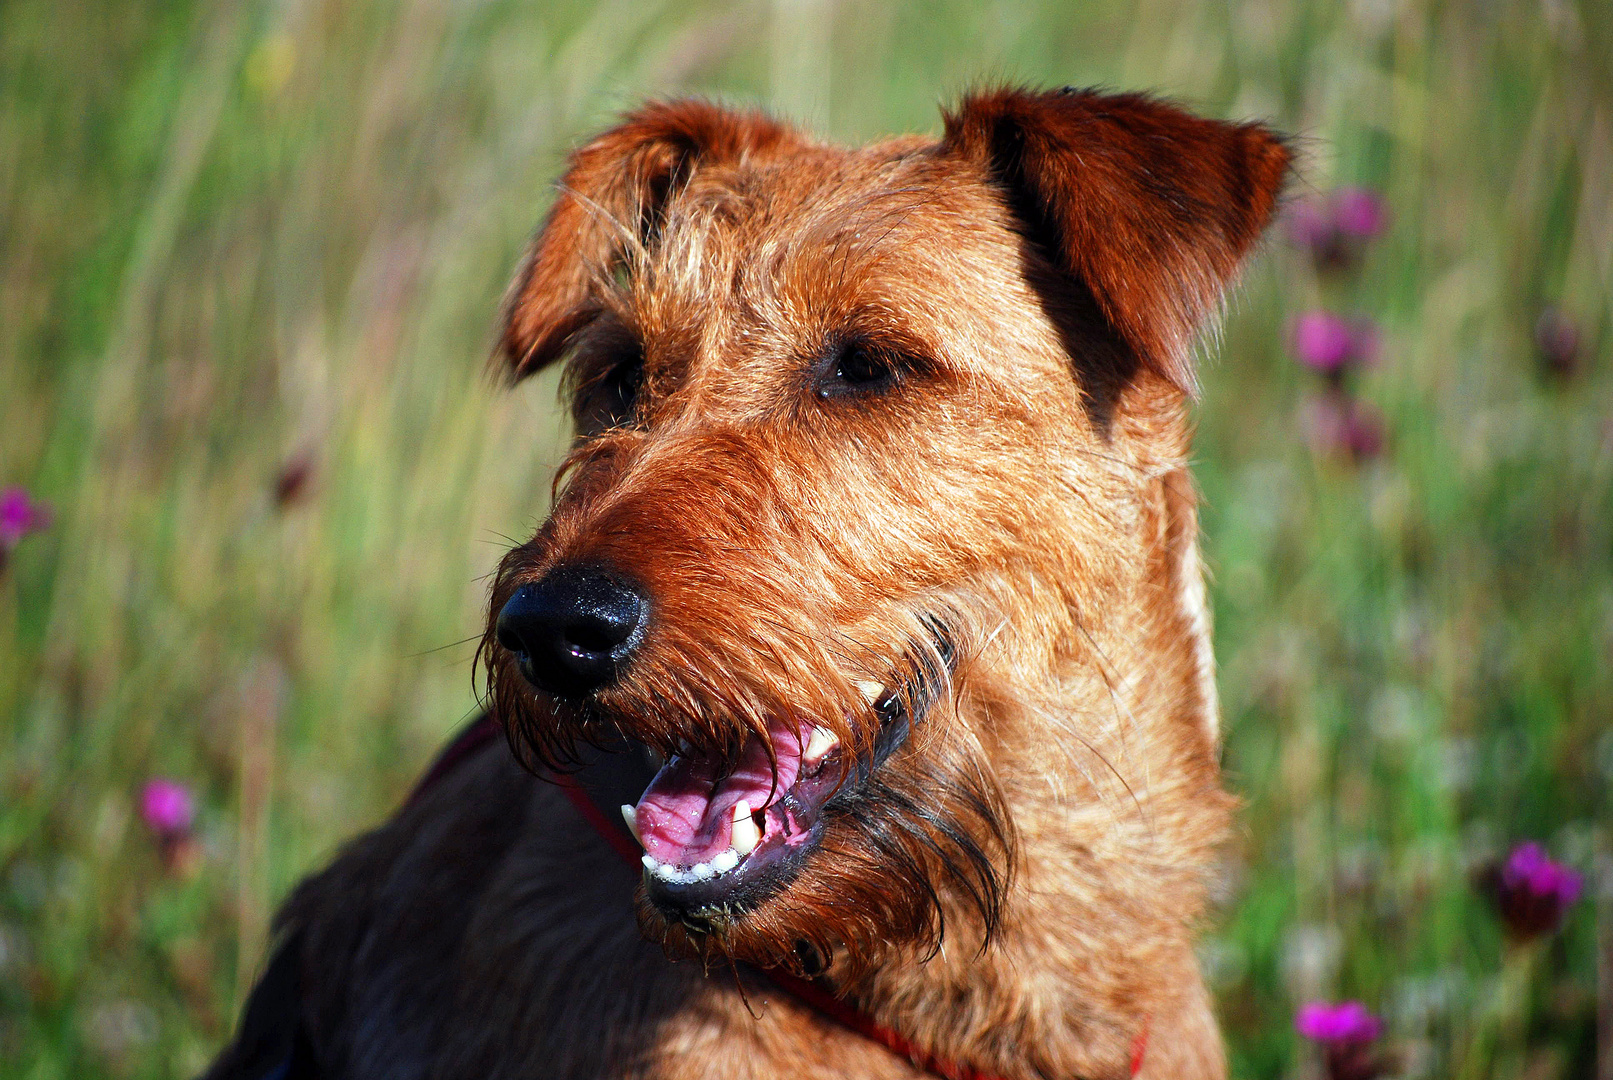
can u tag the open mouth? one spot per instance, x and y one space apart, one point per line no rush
720 834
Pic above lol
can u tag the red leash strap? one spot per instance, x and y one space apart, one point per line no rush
470 739
898 1043
484 730
619 841
1139 1047
894 1041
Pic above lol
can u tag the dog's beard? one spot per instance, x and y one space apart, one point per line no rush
922 839
868 847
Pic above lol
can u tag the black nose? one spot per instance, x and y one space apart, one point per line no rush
573 631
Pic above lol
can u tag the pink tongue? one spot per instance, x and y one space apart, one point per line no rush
686 814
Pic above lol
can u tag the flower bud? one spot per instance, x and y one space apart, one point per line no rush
167 808
1345 1032
1531 893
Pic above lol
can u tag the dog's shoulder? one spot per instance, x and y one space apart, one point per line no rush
483 928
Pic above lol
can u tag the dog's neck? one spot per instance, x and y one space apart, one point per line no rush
1111 857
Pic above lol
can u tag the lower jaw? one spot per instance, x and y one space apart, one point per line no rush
703 904
794 824
761 861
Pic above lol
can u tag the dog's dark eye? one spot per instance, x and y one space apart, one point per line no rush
611 399
858 368
621 388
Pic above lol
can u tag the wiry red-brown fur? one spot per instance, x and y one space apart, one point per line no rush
1017 887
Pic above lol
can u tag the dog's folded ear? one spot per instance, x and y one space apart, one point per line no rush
1148 207
611 200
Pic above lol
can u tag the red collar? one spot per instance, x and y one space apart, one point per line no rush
485 729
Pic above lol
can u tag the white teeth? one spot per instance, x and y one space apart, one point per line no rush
746 835
630 815
745 838
821 742
724 862
698 872
871 690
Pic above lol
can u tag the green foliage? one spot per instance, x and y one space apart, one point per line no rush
241 236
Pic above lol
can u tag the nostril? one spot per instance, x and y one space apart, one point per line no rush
573 630
596 635
507 636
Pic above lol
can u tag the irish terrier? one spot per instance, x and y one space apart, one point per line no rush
871 592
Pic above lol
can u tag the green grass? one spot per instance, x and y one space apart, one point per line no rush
235 236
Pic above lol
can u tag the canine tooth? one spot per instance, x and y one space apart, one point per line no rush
746 835
725 862
703 871
822 741
649 863
630 815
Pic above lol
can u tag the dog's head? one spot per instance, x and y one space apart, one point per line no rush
863 530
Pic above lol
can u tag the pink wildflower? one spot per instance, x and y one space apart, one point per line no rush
1348 1021
1310 224
1335 228
1345 1032
1557 340
1331 345
1363 431
1339 425
1531 892
167 808
20 514
291 484
1360 213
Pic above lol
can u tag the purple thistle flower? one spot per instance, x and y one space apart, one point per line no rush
291 484
20 514
1531 892
1311 225
1336 228
1338 425
1557 339
1360 213
1346 1022
167 808
1363 431
1346 1032
1330 345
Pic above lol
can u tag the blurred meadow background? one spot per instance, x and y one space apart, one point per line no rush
250 258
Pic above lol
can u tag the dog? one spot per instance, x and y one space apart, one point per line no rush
870 592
